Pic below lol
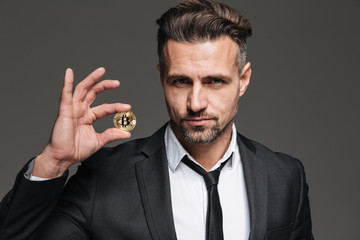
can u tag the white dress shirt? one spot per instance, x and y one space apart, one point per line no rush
189 194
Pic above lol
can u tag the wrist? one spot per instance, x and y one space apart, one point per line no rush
47 167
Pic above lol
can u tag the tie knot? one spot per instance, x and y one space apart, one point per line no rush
211 178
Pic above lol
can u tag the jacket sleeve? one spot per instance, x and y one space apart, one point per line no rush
25 208
71 218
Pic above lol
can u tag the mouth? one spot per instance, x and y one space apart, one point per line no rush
197 121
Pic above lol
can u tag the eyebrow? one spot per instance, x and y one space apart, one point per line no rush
213 76
218 76
175 76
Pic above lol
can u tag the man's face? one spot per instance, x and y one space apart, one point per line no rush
202 87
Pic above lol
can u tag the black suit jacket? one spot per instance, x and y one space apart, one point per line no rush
124 193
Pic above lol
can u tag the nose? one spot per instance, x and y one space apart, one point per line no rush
197 99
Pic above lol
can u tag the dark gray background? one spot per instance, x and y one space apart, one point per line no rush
302 99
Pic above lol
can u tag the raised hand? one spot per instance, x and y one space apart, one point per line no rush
73 138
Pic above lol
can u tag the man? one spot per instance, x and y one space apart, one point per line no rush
158 187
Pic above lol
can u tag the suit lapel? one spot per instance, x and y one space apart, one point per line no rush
256 186
154 186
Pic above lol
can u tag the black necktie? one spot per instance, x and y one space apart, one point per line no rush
214 222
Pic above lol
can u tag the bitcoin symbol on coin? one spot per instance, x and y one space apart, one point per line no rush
125 121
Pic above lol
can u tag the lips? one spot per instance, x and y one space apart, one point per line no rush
197 121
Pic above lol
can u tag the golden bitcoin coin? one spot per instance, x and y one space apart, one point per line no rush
125 121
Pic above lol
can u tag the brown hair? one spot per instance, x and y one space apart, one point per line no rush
201 20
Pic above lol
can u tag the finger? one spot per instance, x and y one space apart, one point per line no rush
66 93
99 88
111 135
104 110
83 87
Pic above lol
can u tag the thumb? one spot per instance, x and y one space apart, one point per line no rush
112 134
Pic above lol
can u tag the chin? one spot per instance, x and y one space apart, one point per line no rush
200 134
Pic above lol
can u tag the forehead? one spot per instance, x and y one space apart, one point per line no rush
220 54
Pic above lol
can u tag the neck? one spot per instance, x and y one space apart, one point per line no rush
207 155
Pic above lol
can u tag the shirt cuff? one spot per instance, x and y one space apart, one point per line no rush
28 173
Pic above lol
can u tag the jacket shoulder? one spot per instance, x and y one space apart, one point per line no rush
117 156
125 155
274 160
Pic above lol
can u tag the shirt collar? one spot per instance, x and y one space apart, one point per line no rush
175 151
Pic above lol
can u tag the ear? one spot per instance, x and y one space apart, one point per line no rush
245 78
158 67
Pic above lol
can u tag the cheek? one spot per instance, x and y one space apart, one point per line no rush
176 103
226 103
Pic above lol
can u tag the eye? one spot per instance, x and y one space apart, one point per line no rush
180 81
216 81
